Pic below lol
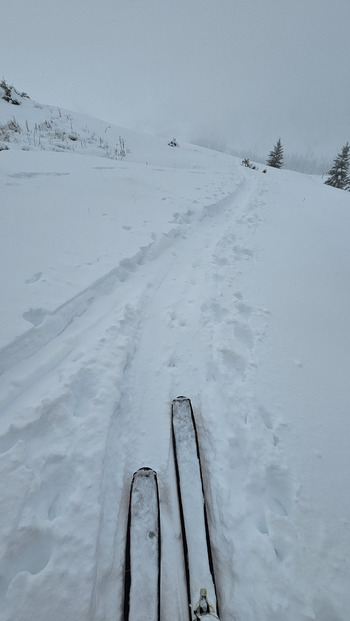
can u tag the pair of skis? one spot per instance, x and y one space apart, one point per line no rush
143 547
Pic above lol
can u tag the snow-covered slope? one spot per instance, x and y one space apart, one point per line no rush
125 283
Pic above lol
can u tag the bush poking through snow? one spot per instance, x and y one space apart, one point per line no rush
122 149
14 126
248 164
6 129
173 143
4 133
9 92
56 133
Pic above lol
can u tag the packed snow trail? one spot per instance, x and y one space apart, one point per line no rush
83 368
165 335
113 366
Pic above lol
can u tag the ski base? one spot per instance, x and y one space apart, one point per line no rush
195 532
142 560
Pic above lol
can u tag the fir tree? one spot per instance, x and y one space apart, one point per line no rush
275 158
339 173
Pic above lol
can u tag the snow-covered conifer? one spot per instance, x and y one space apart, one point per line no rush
339 173
275 158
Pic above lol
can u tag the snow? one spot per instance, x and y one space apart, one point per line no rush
127 282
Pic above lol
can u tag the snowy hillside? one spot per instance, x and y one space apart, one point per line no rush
127 281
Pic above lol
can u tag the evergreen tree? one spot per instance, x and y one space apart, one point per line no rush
275 158
339 173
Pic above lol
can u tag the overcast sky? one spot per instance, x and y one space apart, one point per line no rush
239 72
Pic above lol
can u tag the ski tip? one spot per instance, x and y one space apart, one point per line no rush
181 398
145 472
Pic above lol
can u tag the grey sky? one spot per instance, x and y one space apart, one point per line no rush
238 72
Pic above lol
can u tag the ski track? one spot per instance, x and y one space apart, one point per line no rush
34 362
134 328
167 303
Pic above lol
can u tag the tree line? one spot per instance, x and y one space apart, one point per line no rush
338 175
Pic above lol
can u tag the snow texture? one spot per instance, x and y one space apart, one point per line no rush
127 282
